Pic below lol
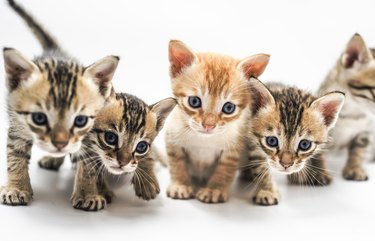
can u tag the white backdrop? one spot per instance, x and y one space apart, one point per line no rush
304 39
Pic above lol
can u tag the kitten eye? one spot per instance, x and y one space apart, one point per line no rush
228 108
195 101
80 121
304 145
39 118
110 137
272 141
142 147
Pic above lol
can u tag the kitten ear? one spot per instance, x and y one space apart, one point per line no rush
180 57
162 110
329 107
260 95
101 72
254 65
356 51
18 68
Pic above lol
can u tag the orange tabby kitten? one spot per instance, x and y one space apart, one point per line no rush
204 137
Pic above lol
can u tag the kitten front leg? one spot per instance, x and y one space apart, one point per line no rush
51 163
266 193
18 190
86 194
314 173
357 151
145 183
180 187
218 186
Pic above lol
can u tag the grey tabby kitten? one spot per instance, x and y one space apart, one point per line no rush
52 102
120 143
354 74
289 130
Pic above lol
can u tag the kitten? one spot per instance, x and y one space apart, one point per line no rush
205 135
120 143
52 102
288 132
354 74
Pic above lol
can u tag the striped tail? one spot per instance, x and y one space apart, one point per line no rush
45 39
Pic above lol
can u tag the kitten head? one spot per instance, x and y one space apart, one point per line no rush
124 131
290 125
356 71
211 89
56 100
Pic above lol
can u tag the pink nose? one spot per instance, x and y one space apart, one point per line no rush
209 126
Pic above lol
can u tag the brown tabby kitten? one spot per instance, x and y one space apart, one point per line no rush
52 102
288 132
119 143
354 74
204 139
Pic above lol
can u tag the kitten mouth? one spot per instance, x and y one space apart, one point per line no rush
117 170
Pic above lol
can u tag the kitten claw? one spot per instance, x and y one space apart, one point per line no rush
208 195
176 191
15 197
356 173
89 202
266 198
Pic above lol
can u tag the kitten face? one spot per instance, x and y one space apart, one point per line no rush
291 126
56 101
211 89
124 131
356 71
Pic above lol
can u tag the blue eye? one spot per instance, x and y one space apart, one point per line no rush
39 118
195 101
272 141
304 145
228 108
80 121
142 147
111 138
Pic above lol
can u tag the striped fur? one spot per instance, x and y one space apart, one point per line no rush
45 97
354 74
204 144
133 122
291 116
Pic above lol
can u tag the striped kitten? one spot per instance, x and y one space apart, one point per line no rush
205 135
354 74
119 143
289 129
52 102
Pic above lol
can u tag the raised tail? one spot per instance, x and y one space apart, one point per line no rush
45 39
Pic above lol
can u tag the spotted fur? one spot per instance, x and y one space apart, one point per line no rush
354 74
204 144
133 122
292 116
45 97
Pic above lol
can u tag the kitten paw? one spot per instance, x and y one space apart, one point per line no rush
108 195
147 192
177 191
15 197
51 163
266 198
89 202
322 179
356 173
208 195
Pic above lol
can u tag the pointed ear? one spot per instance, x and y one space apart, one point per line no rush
162 110
101 72
18 68
329 107
356 51
260 95
254 65
180 57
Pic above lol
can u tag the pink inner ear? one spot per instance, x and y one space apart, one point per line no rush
329 111
179 59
